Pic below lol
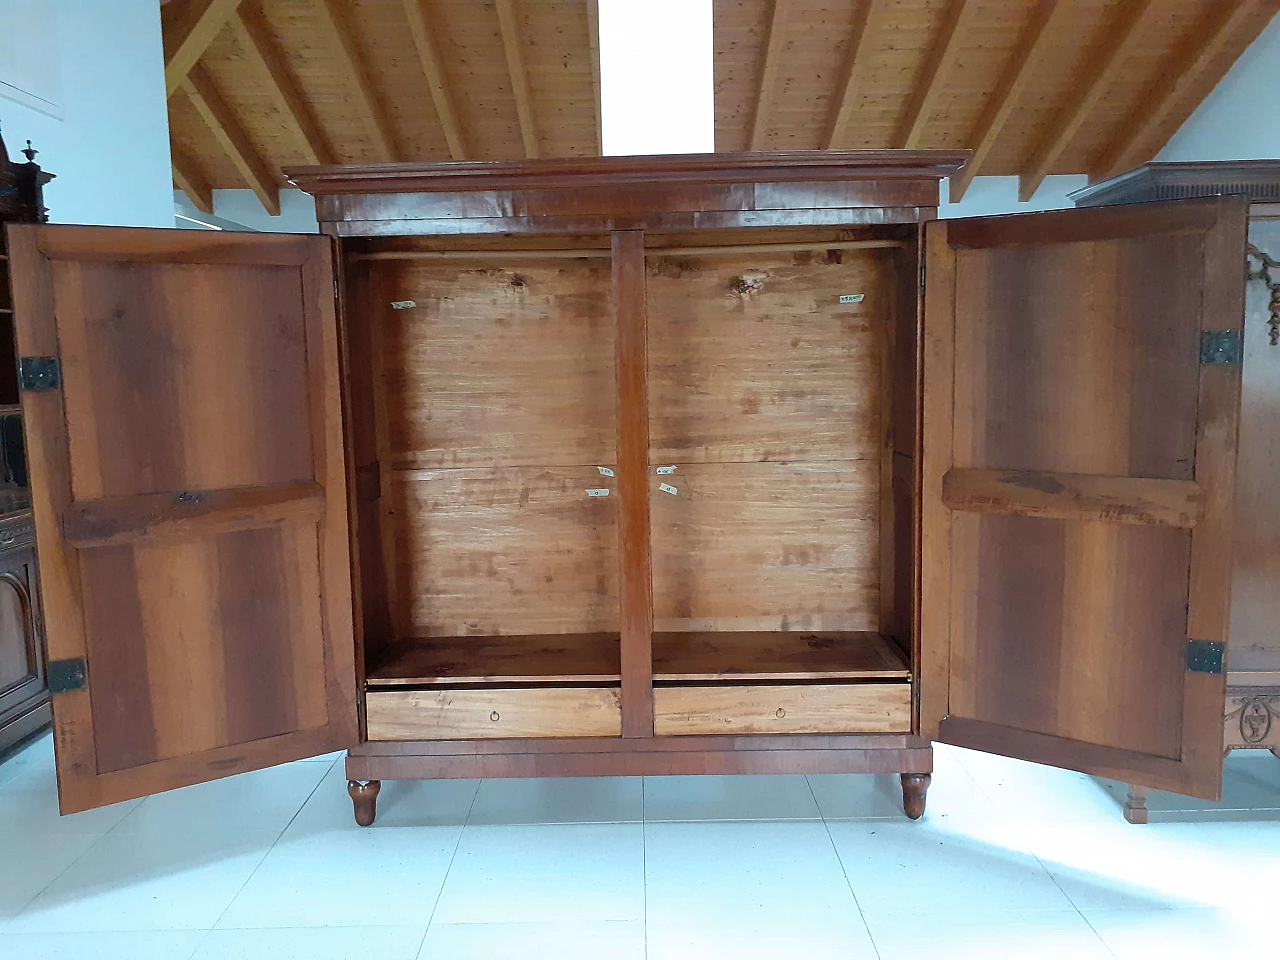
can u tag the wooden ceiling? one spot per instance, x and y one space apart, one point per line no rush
1033 87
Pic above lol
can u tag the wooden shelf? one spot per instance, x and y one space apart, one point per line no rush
547 658
776 656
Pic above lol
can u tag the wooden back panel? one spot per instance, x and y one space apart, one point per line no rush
771 399
1078 470
190 501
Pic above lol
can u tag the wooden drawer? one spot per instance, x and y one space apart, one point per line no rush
493 713
790 708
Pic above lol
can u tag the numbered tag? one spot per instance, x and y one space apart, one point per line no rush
667 488
852 297
598 492
605 471
663 471
403 304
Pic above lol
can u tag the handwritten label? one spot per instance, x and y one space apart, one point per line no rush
598 492
663 471
667 488
852 297
403 304
605 471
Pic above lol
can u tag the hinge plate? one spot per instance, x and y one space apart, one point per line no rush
1205 656
66 675
1221 346
39 373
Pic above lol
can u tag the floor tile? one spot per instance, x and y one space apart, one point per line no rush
862 796
161 879
40 859
325 757
31 808
553 872
1185 934
1250 791
100 945
913 867
729 798
1044 935
748 889
36 753
313 943
264 800
561 800
358 877
615 939
401 803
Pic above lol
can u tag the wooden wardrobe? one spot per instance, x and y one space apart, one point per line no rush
636 466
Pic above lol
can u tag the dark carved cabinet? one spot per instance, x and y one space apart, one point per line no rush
24 689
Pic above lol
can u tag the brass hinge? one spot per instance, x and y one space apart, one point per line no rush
66 675
1221 346
1205 656
39 373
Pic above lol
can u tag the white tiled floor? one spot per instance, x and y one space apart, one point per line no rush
1011 860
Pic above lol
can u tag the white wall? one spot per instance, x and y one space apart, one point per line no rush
110 150
991 196
1237 121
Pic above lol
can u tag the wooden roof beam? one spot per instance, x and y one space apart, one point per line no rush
519 76
231 137
189 37
1174 79
1012 82
191 181
593 39
353 64
1095 75
847 93
251 30
939 60
434 71
768 75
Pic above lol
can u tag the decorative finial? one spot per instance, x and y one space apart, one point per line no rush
30 153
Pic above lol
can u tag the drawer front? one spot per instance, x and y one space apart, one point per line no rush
493 713
790 708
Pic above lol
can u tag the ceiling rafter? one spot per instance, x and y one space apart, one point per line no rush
192 30
510 30
227 130
189 179
1012 82
250 26
768 75
1095 75
593 41
433 68
1178 74
851 76
354 67
939 60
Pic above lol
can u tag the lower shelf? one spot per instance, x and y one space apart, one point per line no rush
493 713
782 708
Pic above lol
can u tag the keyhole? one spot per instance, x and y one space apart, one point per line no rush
494 716
781 713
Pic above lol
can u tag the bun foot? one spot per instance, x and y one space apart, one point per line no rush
1135 805
365 798
914 788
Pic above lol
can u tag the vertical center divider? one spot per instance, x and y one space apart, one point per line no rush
635 575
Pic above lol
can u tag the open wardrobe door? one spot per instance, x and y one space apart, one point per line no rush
180 392
1081 396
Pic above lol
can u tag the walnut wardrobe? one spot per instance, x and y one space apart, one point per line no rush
635 466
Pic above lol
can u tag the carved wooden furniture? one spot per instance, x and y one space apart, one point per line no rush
1251 717
24 692
636 466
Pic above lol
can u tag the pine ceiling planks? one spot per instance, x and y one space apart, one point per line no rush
352 81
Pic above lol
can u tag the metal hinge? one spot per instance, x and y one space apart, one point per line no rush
66 675
1205 656
39 373
1221 346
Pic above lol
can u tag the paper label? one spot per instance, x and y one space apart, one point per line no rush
598 492
852 297
403 304
663 471
605 471
667 488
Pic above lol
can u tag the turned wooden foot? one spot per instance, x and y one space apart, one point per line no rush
914 788
365 798
1135 805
